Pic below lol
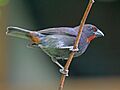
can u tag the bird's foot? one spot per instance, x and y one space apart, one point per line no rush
74 50
63 71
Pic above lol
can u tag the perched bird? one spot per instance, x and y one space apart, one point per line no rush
58 42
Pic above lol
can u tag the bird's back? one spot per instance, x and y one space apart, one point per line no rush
59 31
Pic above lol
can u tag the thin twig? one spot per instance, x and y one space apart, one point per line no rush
76 43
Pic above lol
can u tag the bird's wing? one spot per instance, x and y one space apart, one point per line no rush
60 31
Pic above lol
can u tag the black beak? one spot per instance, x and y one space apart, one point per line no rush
99 33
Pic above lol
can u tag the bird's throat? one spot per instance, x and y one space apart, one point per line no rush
89 39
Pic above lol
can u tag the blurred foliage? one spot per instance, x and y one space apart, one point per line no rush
3 2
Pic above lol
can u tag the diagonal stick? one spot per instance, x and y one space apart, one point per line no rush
76 43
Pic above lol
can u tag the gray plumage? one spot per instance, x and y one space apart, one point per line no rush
58 42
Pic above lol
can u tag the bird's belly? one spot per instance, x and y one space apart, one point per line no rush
59 53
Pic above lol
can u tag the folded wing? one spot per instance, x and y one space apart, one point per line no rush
59 31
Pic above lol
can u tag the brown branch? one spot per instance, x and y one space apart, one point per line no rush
76 43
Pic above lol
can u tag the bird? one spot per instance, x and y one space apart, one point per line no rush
58 42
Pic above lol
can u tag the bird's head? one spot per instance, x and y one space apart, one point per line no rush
91 32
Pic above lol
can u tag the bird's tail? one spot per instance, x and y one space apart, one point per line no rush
18 32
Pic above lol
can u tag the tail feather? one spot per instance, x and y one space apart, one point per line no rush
18 32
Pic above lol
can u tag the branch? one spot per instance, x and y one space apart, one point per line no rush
76 43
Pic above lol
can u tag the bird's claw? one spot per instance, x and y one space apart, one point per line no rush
63 71
74 50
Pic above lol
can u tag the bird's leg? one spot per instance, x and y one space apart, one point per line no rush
62 70
56 62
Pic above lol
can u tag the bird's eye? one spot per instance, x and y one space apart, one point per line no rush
94 29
